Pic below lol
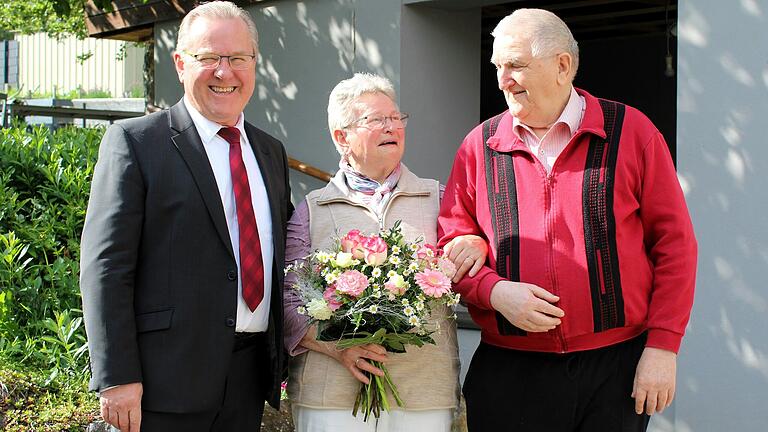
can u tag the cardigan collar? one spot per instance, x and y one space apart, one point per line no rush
505 140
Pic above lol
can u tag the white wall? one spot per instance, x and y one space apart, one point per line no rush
46 63
722 163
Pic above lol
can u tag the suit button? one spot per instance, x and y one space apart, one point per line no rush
232 275
230 322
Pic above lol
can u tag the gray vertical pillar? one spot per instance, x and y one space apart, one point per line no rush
722 161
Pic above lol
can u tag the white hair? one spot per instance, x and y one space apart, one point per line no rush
220 10
343 107
548 33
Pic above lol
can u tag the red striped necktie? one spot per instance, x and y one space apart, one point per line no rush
251 263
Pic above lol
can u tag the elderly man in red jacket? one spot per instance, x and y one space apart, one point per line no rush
589 286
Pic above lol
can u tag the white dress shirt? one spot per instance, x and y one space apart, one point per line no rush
217 150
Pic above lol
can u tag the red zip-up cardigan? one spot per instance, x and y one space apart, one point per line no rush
608 231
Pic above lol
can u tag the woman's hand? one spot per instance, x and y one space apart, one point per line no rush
355 359
467 253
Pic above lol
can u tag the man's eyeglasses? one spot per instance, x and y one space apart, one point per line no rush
398 121
212 61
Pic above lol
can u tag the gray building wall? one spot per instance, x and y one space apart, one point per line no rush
307 47
722 159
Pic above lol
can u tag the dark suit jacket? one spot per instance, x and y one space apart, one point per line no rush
158 275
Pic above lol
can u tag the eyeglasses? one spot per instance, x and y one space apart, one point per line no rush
398 121
212 61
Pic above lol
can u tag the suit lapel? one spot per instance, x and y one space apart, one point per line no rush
187 141
270 177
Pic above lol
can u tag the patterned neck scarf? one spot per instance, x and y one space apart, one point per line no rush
375 194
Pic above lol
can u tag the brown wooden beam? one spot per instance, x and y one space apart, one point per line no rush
134 20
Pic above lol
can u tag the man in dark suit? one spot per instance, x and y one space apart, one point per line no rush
183 246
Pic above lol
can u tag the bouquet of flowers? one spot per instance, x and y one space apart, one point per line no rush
376 289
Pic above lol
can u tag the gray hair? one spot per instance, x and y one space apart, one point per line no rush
343 108
548 34
220 10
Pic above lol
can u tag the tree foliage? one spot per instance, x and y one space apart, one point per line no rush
57 18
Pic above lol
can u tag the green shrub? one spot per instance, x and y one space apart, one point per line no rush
44 183
30 401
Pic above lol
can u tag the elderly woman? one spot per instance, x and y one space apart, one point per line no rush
372 189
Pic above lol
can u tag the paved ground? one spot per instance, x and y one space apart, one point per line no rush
468 341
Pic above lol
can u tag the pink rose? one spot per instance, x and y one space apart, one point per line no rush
330 296
352 283
396 285
352 243
427 253
434 283
446 266
375 250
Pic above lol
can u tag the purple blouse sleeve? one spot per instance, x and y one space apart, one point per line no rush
297 247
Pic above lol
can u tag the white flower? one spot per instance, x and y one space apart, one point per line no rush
301 310
413 247
453 299
395 250
394 260
373 309
318 309
377 293
419 305
331 277
343 260
405 302
413 321
409 310
391 274
413 266
323 257
376 272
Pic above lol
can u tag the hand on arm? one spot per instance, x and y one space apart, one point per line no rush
654 386
467 253
526 306
354 359
121 406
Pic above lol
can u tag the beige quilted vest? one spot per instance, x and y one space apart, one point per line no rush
426 377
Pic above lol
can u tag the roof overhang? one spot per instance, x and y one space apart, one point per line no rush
132 20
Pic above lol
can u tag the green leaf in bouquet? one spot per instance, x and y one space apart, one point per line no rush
394 346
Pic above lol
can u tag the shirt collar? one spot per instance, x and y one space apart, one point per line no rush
571 116
208 129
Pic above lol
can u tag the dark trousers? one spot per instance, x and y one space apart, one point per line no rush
243 403
519 391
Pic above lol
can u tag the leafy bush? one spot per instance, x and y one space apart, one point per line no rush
30 401
44 183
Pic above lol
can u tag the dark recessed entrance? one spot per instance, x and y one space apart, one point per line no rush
627 53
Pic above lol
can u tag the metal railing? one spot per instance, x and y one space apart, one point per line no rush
21 110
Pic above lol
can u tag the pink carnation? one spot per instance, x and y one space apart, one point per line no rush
433 283
353 243
330 296
375 250
352 283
